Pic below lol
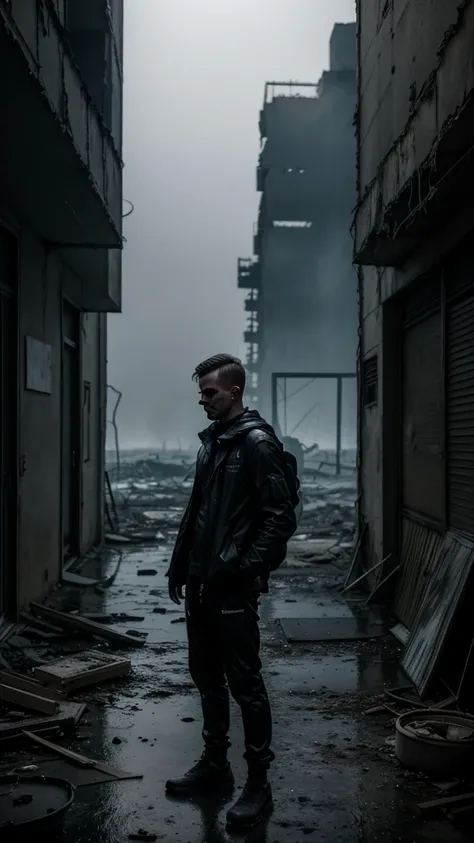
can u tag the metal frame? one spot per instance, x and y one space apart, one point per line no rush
339 377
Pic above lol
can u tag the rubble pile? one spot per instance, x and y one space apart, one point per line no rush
153 490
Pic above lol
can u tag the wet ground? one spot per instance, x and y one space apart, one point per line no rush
335 779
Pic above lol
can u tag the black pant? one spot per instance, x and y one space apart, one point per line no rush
224 645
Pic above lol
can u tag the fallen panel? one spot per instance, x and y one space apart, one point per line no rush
76 623
83 776
87 668
331 629
92 770
436 614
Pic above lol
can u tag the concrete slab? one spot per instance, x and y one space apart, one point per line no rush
330 629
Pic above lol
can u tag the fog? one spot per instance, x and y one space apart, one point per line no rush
195 72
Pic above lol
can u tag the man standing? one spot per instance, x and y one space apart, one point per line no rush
233 534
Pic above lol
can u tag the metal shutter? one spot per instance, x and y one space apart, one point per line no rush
460 414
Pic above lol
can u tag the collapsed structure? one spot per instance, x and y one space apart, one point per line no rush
60 273
301 300
414 249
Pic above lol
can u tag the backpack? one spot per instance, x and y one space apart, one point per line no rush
291 476
290 468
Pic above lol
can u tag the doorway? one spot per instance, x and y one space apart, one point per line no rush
70 432
8 424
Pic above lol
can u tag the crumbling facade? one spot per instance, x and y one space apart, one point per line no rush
301 299
414 249
60 273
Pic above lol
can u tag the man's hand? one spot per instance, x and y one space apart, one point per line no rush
175 591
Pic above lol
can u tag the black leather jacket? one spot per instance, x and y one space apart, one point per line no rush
244 505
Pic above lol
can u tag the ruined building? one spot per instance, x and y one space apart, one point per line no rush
60 273
301 300
415 250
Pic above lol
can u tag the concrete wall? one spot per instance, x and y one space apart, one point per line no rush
416 74
42 274
40 424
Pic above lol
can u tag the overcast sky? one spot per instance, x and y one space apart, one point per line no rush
195 72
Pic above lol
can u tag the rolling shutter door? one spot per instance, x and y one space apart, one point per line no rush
460 413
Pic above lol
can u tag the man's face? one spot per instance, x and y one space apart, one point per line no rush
217 397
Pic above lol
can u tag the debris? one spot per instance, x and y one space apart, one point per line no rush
178 620
25 699
25 799
187 719
67 621
70 578
117 741
143 836
87 668
147 572
115 538
159 610
366 573
444 802
81 760
138 634
69 716
114 617
25 683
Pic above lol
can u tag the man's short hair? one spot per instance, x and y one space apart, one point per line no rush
229 367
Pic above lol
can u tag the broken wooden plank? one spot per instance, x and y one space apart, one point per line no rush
78 671
25 699
25 683
80 760
75 622
444 802
69 716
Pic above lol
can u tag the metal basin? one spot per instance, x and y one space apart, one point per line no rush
33 805
435 742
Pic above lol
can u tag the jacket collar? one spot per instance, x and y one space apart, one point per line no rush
248 420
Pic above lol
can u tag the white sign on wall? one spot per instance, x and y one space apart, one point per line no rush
38 366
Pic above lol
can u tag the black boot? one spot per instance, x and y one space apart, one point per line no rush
208 774
255 803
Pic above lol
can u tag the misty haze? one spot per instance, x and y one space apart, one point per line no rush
195 75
